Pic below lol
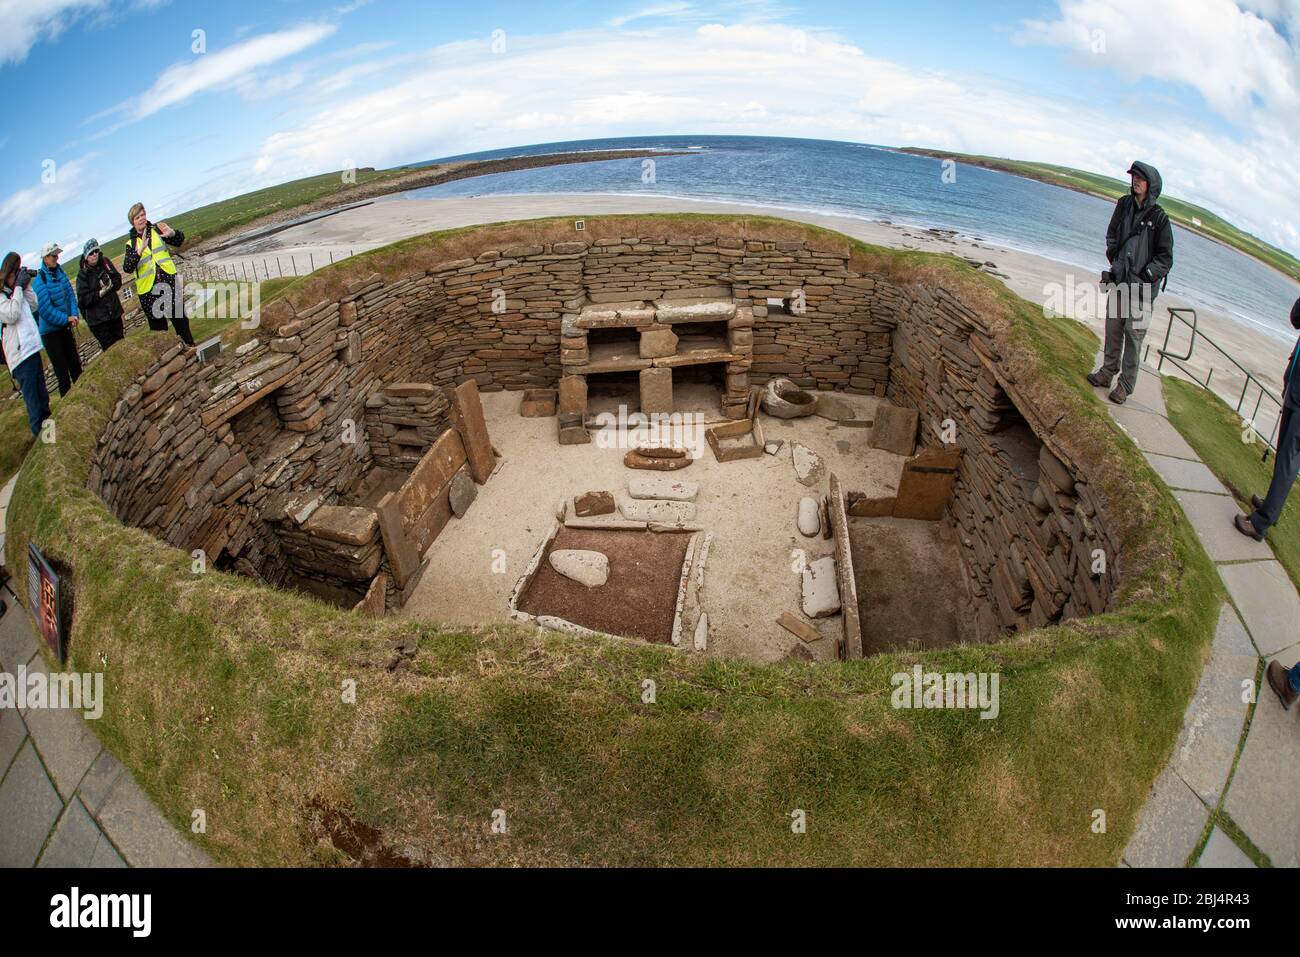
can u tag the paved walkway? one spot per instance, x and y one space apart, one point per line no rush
64 800
1233 763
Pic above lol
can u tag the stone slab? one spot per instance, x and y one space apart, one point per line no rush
467 416
1170 825
1262 798
925 485
100 781
1152 433
431 476
66 745
1267 601
12 735
1211 516
851 625
1216 714
1220 851
654 510
29 806
656 391
346 524
145 837
895 429
821 593
17 639
74 840
662 487
1182 474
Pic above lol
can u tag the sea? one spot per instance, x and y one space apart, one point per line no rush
882 184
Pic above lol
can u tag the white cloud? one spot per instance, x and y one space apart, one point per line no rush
1233 56
1243 60
656 10
233 67
765 79
24 23
24 206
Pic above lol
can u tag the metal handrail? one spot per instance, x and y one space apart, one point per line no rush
1178 360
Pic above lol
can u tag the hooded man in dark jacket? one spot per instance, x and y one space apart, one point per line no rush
1140 248
97 284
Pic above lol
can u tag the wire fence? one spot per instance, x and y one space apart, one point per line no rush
266 267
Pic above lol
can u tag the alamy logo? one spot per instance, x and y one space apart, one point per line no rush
134 911
82 692
933 689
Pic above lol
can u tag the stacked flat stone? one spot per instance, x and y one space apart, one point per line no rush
1027 521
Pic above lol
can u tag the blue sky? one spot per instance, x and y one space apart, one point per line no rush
178 103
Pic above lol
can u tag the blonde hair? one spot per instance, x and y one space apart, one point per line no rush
130 213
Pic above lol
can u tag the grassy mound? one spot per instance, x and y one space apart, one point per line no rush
230 697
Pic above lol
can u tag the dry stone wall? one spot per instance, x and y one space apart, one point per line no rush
237 456
1032 541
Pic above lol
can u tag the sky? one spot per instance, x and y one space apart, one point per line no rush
176 103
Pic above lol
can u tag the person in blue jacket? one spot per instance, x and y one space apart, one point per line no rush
57 303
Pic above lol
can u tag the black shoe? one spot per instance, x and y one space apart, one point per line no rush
1257 503
1247 528
1099 380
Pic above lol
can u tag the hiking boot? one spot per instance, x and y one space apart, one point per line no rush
1280 681
1118 395
1099 380
1257 503
1247 528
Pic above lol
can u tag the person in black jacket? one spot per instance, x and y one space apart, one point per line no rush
155 272
97 284
1140 248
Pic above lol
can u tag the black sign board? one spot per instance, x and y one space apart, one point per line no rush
44 600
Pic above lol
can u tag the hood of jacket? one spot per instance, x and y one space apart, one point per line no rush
1154 182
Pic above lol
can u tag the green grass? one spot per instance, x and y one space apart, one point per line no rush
1107 187
224 695
1214 430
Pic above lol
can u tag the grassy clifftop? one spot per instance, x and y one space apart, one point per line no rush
227 696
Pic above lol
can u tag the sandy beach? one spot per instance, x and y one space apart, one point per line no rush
1036 278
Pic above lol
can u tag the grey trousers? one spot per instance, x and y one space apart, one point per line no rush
1285 466
1126 327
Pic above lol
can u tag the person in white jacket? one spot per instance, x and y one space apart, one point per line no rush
22 340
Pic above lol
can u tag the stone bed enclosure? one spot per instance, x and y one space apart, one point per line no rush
326 448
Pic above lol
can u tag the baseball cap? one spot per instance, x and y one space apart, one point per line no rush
49 249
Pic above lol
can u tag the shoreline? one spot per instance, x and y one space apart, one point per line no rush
995 166
1029 275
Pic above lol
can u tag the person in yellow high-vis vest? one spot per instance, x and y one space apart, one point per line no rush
155 272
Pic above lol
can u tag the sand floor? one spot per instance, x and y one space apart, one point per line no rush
750 506
1028 275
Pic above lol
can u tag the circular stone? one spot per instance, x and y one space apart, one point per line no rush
810 522
583 566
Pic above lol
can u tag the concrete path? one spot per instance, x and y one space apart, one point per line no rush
1235 763
64 800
